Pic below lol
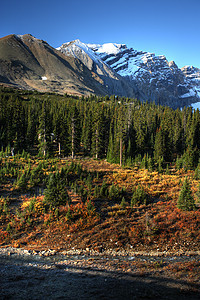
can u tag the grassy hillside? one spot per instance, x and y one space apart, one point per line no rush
103 206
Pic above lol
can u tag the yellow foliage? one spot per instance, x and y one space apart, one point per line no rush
39 207
25 204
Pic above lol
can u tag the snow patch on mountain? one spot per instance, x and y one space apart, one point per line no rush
109 48
196 105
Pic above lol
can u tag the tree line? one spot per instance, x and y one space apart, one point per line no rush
121 130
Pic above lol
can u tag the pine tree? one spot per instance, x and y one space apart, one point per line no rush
120 133
44 130
123 203
86 138
139 197
110 150
159 146
98 127
186 200
56 192
178 135
74 131
19 125
198 194
60 130
139 119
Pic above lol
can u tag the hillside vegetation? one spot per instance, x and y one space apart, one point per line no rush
98 173
94 204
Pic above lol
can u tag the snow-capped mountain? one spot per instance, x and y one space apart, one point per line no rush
153 77
193 76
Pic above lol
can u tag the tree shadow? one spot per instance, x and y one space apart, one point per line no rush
42 280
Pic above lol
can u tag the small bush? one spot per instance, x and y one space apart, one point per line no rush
139 197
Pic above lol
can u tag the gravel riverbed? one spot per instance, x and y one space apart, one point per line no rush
82 274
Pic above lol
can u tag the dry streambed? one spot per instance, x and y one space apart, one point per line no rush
78 274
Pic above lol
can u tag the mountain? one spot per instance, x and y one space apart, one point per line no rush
83 69
193 76
30 63
114 83
152 77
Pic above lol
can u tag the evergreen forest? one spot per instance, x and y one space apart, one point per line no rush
121 130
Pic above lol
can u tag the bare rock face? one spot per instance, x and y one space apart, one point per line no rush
193 77
27 62
152 77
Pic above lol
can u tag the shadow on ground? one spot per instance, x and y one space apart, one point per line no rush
58 281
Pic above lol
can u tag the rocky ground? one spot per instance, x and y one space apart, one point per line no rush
31 274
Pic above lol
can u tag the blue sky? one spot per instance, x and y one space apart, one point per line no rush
168 27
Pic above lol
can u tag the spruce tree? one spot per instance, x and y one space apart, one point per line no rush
44 130
198 195
31 128
86 138
97 136
110 151
186 200
159 145
139 197
56 192
74 130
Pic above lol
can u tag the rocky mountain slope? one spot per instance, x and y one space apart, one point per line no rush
153 77
114 83
30 63
82 69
